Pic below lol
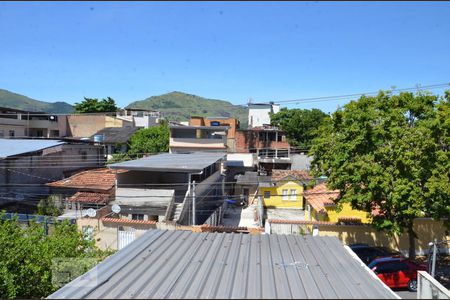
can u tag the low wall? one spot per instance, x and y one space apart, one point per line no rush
430 288
426 229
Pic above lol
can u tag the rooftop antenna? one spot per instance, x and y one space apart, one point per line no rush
250 100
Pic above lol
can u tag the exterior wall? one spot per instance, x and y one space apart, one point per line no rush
258 116
426 229
333 215
88 125
248 140
19 130
182 140
276 198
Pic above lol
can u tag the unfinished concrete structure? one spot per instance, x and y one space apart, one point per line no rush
163 187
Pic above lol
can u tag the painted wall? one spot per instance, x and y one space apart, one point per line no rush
333 215
427 230
276 195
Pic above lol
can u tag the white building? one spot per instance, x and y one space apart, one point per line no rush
258 113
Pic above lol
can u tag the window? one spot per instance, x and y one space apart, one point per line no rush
267 194
293 195
11 133
2 133
54 133
137 217
284 196
391 267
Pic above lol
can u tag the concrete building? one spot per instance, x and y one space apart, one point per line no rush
197 138
258 113
86 125
115 139
268 143
16 123
165 264
141 118
231 123
163 187
27 164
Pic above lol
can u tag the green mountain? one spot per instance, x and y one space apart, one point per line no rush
178 106
16 101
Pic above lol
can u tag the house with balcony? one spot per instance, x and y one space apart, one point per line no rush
15 123
185 188
184 139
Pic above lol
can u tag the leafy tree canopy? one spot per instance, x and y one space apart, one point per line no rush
391 152
28 256
92 105
300 125
150 140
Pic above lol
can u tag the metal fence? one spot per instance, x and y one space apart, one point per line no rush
125 237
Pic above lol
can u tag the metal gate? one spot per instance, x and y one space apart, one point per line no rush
125 237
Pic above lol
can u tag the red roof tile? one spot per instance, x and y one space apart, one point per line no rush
128 221
90 197
301 175
97 179
299 222
320 196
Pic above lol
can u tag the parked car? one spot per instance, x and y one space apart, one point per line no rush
397 272
368 253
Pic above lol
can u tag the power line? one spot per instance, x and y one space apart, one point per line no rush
302 100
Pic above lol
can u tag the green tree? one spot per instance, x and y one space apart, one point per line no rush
300 125
92 105
150 140
391 152
29 257
48 207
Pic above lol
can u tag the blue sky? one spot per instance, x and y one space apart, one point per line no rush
267 51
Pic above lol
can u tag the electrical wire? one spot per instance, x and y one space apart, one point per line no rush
299 100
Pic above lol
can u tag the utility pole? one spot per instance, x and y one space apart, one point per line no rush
193 202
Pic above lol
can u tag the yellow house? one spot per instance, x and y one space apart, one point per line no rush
284 189
321 206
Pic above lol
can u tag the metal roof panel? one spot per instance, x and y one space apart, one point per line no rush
184 264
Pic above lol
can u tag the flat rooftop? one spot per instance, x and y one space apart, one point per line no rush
172 162
165 264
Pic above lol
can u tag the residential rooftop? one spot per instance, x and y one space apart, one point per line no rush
193 162
119 135
11 147
320 196
97 179
184 264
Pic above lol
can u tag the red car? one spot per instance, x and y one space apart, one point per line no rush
397 272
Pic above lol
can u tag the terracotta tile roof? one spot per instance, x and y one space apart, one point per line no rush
127 221
320 196
90 197
349 219
97 179
300 222
296 174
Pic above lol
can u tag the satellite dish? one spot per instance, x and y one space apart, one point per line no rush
115 208
91 212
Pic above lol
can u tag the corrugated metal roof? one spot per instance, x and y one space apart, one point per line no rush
183 264
10 147
172 162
